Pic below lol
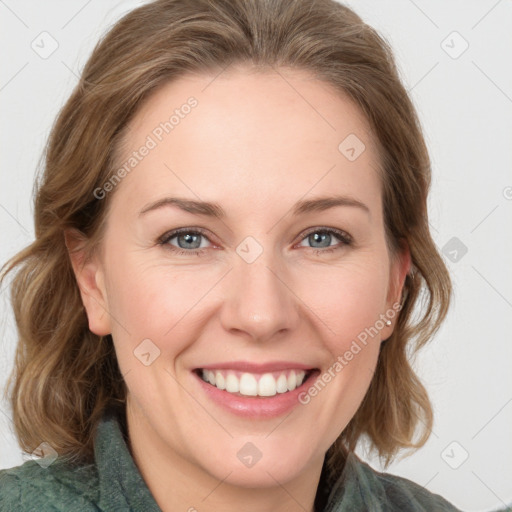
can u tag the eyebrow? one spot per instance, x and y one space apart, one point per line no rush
215 210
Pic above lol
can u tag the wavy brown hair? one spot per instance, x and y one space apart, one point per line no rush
65 376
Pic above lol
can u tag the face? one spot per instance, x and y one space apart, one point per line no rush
281 297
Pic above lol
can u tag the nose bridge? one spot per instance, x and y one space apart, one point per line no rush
260 302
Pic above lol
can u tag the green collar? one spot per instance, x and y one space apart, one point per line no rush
119 477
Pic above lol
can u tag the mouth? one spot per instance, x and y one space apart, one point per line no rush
257 385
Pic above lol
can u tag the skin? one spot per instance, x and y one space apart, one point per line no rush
255 146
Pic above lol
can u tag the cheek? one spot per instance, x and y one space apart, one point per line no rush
151 299
350 328
152 302
349 303
349 300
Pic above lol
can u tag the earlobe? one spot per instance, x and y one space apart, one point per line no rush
89 275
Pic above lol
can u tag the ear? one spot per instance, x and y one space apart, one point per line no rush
399 268
89 275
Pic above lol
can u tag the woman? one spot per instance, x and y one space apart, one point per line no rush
184 344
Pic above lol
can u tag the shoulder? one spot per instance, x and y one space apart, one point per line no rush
58 487
398 493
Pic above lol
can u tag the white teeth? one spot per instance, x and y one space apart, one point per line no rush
220 381
232 383
282 384
267 385
249 385
292 381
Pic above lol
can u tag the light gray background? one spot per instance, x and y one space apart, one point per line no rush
465 105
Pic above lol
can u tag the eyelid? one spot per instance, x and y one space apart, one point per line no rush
343 236
174 232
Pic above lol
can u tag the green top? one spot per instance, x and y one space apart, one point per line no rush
113 483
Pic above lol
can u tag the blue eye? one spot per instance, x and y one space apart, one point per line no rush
327 234
189 240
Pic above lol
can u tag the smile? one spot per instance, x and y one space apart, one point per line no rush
254 384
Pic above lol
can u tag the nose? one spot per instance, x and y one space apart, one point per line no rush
260 303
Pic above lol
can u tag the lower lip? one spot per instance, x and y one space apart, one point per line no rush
256 407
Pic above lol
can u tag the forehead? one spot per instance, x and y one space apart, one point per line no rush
251 134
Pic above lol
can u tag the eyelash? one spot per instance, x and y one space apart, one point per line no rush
345 238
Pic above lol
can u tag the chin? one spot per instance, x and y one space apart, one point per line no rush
258 462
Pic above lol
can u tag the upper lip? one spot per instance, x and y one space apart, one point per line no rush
245 366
